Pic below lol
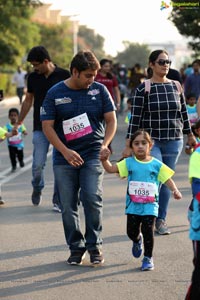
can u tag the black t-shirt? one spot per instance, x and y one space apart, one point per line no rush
174 75
38 85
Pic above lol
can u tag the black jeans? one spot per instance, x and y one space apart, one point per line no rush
194 289
15 154
144 224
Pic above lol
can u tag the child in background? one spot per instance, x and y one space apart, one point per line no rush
196 131
144 175
194 218
3 135
128 115
15 143
192 108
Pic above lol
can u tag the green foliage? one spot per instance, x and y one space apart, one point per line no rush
3 81
6 85
187 22
58 40
16 28
133 53
92 41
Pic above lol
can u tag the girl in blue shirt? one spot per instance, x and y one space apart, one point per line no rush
144 174
194 218
15 142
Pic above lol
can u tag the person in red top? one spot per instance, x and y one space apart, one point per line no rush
106 77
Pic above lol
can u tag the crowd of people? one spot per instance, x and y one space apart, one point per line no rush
76 111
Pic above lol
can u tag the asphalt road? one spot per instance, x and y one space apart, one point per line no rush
33 251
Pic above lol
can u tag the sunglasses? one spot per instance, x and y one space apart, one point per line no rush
162 62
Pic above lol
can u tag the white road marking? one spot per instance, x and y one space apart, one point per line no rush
6 175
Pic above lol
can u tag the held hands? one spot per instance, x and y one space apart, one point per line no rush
25 133
15 130
104 153
191 140
177 195
10 134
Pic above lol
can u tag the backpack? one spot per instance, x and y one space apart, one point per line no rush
147 84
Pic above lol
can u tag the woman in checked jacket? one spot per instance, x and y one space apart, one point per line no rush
162 113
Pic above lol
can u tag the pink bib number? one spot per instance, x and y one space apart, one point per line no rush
142 192
193 118
76 127
15 139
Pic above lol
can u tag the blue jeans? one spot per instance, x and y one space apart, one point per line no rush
168 152
40 150
82 184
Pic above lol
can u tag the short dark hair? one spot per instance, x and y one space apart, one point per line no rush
196 61
137 65
84 60
190 95
38 53
194 127
104 61
13 110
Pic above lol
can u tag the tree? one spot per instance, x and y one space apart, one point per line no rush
17 32
90 40
58 41
187 22
133 53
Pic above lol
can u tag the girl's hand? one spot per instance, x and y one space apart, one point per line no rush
191 140
177 195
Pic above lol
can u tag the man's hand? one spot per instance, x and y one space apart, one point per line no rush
73 158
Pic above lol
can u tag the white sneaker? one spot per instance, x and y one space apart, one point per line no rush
161 227
56 208
1 201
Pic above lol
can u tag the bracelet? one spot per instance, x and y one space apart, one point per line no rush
19 123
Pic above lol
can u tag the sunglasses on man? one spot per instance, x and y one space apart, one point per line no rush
162 62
